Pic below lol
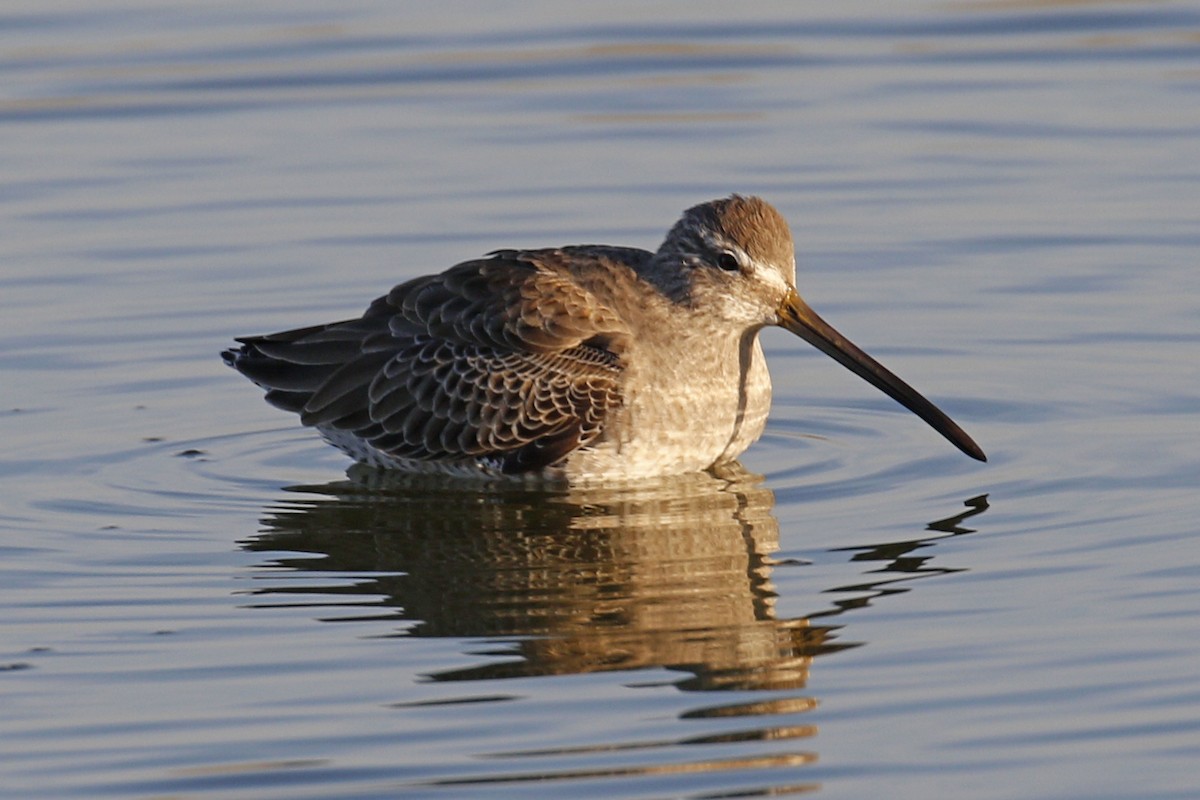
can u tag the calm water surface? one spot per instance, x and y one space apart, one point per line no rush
997 199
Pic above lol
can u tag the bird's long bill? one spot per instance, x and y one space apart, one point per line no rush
797 317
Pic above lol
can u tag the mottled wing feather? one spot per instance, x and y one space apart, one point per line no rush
507 361
440 399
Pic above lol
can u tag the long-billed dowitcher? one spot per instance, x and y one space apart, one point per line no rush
583 362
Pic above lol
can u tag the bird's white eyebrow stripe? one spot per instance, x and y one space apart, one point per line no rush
766 274
718 242
773 278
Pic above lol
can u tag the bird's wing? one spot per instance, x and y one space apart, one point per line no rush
506 360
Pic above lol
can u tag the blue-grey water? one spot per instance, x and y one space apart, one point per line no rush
1000 200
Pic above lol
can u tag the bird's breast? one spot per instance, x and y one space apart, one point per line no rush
688 404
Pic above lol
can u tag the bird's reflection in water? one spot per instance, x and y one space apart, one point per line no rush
672 574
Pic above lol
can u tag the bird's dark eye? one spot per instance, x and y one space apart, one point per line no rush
728 262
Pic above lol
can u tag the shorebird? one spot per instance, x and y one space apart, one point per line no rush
582 362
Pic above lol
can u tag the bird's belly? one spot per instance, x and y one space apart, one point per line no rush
677 418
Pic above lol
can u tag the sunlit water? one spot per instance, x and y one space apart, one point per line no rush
999 200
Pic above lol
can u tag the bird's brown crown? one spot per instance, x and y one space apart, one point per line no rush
751 223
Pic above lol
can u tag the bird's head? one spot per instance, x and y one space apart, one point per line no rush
733 260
